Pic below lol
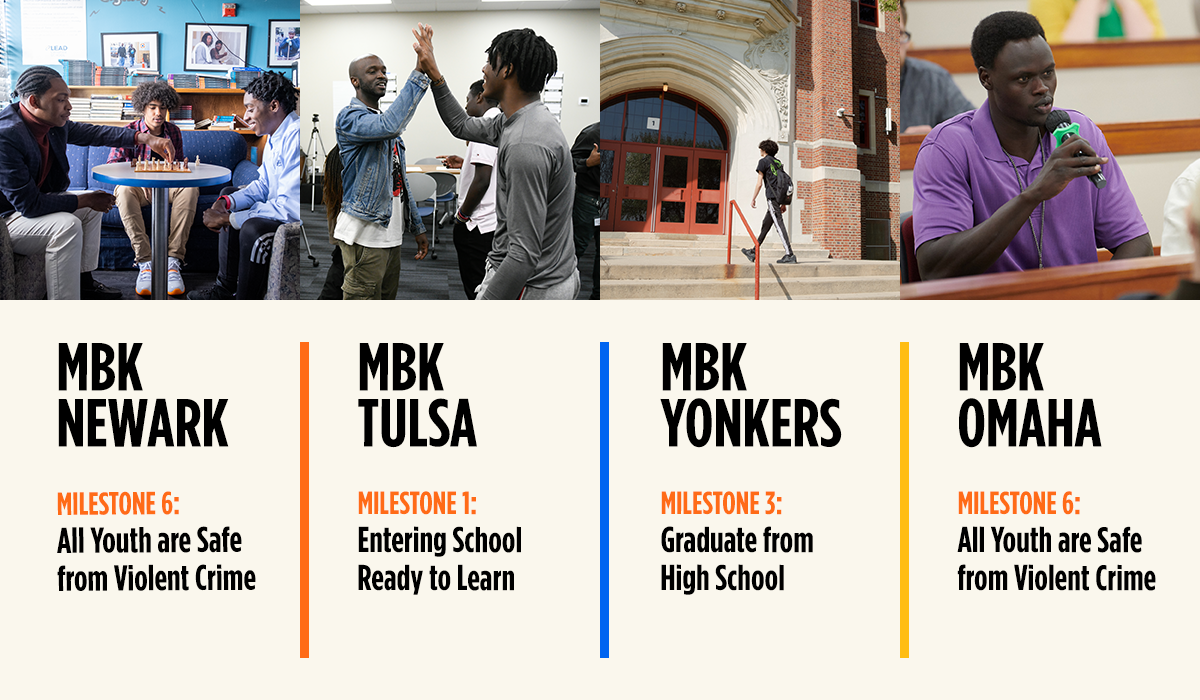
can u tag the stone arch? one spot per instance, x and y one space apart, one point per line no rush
737 94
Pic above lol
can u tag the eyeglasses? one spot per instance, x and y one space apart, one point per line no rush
906 36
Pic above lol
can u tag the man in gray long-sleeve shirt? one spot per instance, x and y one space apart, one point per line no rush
533 255
928 95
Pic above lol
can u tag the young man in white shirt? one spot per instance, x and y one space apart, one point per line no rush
475 220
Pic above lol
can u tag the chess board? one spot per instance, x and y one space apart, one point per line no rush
160 166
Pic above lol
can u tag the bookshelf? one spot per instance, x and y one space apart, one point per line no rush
206 103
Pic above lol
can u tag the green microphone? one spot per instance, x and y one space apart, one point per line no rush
1059 124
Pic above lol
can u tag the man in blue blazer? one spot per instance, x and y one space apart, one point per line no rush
34 173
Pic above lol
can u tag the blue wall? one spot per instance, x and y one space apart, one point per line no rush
166 17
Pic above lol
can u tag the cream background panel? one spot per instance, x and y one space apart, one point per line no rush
834 631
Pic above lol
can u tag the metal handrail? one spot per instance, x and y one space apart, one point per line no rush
729 247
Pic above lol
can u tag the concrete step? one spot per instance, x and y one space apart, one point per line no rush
619 243
678 267
771 253
797 288
862 296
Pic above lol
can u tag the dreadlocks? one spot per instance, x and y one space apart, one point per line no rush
273 86
532 58
35 81
159 91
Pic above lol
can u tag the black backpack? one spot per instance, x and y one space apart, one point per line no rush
779 183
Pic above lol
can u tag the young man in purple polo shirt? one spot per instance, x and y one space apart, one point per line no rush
154 100
993 194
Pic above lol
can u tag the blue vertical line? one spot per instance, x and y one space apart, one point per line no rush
604 606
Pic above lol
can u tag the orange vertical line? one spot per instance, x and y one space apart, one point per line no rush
904 619
304 500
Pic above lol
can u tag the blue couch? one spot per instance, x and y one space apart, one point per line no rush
224 148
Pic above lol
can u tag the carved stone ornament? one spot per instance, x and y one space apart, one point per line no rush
758 23
768 56
721 15
681 7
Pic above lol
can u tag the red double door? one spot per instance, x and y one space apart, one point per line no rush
662 189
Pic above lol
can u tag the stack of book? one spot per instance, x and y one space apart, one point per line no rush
81 109
181 117
223 121
78 72
214 83
106 107
127 111
241 77
110 75
183 81
143 75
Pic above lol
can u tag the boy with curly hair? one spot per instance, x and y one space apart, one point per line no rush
154 100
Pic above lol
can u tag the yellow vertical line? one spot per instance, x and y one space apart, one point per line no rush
904 501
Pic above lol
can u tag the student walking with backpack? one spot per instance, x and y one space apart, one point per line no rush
779 196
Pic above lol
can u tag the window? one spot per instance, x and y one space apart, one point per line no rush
667 119
877 240
868 12
864 119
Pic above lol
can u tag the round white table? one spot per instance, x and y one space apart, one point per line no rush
202 175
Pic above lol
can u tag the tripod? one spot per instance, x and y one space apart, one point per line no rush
314 144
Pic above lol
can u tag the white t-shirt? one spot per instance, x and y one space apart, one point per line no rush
483 219
369 234
201 53
1176 239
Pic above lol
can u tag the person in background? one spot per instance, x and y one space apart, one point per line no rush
154 100
248 218
331 195
1189 286
475 220
219 52
1085 21
202 51
766 169
1175 238
586 154
291 46
928 95
34 173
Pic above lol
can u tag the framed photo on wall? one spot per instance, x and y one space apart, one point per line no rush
285 43
216 47
130 50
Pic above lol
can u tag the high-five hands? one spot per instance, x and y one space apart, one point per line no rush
426 63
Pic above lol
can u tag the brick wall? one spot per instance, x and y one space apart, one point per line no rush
828 78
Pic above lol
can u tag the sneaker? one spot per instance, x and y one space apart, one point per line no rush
144 278
749 253
790 258
174 278
217 291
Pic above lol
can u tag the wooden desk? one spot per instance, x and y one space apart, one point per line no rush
1101 280
1101 54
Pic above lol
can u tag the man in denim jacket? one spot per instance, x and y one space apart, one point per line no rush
373 182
